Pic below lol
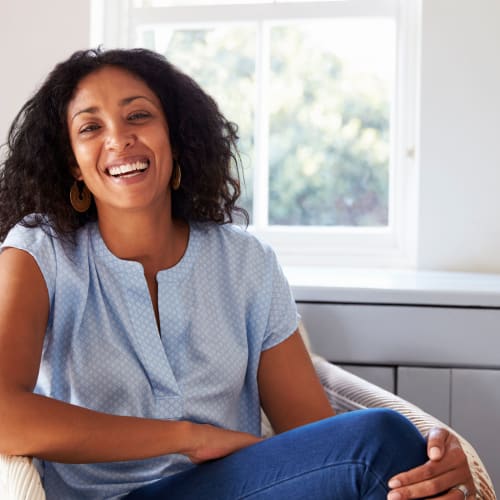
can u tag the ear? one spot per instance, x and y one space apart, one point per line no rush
76 172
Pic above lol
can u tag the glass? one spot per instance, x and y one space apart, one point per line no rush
330 106
222 61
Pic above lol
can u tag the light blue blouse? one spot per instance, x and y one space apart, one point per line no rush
220 306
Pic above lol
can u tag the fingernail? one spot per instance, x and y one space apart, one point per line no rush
394 495
434 453
394 483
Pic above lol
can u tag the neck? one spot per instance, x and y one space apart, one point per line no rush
155 240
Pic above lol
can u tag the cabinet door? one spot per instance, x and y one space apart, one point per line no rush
475 413
428 388
383 376
403 335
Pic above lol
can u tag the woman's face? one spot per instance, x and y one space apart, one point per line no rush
119 136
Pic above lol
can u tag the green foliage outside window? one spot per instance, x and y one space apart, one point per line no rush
328 124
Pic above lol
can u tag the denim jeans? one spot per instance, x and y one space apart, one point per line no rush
344 457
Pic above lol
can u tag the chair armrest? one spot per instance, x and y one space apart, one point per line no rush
348 392
19 479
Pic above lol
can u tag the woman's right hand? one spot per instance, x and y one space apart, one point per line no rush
210 442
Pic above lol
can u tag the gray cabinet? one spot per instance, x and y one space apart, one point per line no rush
383 376
475 413
428 388
409 335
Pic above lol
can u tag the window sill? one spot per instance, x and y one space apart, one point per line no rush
389 286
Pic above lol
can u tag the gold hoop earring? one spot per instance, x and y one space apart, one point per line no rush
175 181
80 197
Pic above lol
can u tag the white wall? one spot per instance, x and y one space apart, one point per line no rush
459 226
35 35
459 196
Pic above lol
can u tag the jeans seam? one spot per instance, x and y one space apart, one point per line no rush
300 474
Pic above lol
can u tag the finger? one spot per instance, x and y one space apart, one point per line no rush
449 495
439 485
453 494
436 442
456 494
455 460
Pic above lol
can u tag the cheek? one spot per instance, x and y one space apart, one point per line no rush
163 149
84 154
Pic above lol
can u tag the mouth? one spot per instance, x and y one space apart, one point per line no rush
128 169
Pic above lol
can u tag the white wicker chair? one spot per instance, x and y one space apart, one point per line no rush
19 479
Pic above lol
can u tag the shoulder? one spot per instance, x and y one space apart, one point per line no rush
234 245
25 235
35 232
50 250
236 254
230 239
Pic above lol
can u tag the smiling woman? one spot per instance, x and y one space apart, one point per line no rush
154 330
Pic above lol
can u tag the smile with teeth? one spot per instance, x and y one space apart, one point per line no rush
128 168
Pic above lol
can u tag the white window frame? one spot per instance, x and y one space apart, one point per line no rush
114 23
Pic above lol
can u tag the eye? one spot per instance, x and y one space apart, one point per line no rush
138 115
90 127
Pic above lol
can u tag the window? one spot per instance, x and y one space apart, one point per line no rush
324 97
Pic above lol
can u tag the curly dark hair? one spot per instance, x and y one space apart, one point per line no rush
35 177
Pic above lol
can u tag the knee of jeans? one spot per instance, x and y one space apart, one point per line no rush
390 426
388 419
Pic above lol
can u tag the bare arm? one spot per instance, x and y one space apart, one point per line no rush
290 391
35 425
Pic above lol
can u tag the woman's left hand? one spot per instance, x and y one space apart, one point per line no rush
446 468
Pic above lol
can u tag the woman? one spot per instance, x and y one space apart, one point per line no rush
153 330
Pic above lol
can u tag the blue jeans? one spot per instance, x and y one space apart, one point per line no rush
344 457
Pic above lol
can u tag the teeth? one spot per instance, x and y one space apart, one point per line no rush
128 168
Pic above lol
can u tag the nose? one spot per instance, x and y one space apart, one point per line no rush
120 139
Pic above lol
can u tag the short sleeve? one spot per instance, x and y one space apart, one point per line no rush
283 317
40 246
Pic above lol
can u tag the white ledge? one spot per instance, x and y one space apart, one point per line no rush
388 286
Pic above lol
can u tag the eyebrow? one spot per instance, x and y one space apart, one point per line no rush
123 102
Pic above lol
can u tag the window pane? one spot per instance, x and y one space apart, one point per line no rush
330 99
222 61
